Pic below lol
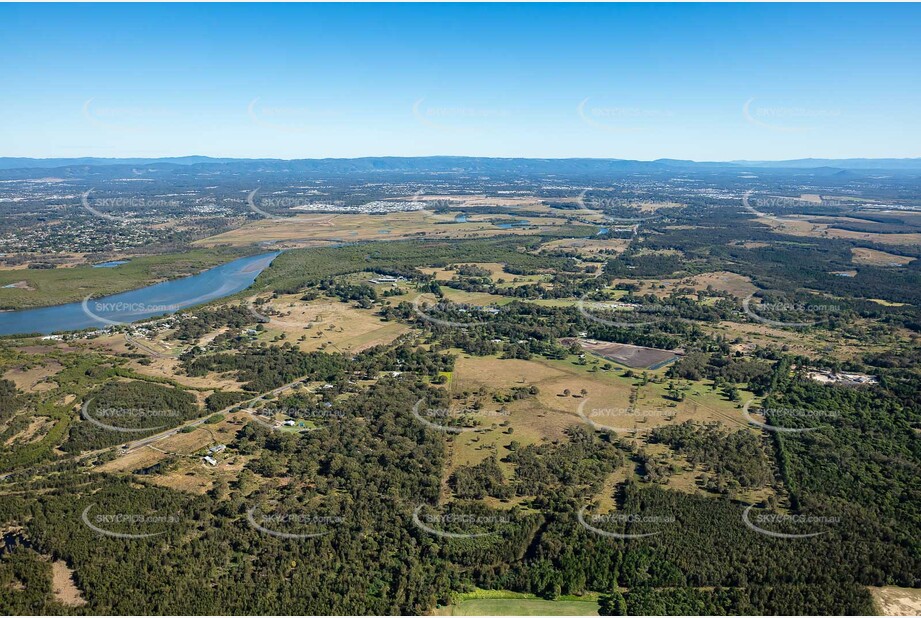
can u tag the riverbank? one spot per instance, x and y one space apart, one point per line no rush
57 286
140 304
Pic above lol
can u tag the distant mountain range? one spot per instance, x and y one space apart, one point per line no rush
473 164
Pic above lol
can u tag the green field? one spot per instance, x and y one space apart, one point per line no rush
65 285
519 607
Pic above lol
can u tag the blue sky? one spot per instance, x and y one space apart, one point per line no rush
637 81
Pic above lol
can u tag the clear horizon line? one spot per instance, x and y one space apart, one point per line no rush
465 156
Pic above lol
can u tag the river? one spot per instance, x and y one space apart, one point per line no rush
158 299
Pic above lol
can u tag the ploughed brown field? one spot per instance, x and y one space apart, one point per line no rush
633 356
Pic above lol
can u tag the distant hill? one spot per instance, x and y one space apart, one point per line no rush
9 163
850 164
468 164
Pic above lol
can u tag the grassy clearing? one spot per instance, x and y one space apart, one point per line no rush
519 607
507 603
496 273
872 257
825 229
326 324
187 473
304 230
896 601
631 405
471 298
35 379
589 246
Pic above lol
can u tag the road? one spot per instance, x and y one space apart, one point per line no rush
144 442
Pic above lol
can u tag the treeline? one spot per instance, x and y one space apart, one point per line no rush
263 367
781 599
294 270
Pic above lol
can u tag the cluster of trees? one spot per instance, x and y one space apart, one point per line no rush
363 474
9 398
472 270
268 367
193 326
710 242
633 264
734 459
481 480
781 599
584 461
219 400
865 453
25 579
359 481
362 293
142 408
721 366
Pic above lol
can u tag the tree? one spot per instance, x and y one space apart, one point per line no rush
612 604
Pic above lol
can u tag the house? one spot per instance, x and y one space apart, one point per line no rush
386 279
208 459
217 448
826 376
288 423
